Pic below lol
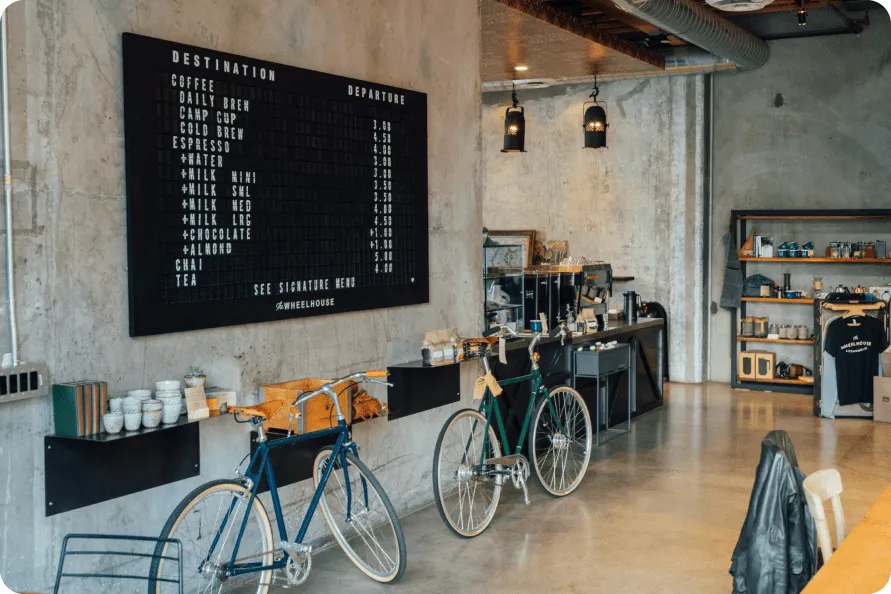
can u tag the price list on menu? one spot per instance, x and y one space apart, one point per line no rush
259 192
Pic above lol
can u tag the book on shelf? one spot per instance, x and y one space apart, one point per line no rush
78 407
68 409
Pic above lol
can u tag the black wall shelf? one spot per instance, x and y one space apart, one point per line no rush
418 388
82 471
291 463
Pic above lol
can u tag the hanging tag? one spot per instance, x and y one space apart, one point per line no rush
502 352
479 388
493 384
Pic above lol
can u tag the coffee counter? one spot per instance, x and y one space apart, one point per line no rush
418 388
646 340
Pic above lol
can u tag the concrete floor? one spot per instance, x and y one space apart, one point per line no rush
659 510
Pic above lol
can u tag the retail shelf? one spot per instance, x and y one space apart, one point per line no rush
107 437
803 301
818 260
778 381
809 341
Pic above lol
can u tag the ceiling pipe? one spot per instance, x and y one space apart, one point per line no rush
681 61
703 28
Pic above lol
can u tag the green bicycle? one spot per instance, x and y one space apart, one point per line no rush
469 468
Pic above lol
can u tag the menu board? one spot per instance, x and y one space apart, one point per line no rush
260 192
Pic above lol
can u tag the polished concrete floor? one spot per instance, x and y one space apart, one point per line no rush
659 510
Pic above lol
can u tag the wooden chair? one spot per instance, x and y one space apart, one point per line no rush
818 487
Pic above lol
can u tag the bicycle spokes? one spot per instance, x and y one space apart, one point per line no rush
561 443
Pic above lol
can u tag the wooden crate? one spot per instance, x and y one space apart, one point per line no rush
316 414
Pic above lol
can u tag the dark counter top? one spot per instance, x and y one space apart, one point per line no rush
617 329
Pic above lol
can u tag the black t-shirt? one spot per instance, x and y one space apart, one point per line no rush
856 350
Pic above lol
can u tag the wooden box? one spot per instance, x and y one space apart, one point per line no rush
746 365
765 363
315 414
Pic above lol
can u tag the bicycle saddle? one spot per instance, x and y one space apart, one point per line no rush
264 410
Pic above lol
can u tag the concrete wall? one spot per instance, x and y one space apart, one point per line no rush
811 129
70 237
637 204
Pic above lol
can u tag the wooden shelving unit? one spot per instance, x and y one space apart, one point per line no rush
778 300
809 215
781 382
738 225
774 340
818 260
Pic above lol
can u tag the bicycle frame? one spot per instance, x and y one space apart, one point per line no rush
261 466
488 406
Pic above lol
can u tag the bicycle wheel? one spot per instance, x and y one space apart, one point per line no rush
215 508
372 536
559 452
465 497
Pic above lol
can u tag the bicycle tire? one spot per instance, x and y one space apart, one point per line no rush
438 492
343 540
540 429
182 510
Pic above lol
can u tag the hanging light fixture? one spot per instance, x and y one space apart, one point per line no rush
595 120
514 127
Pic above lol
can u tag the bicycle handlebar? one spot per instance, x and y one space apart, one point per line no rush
328 389
500 329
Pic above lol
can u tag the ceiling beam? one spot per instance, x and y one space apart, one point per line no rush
543 12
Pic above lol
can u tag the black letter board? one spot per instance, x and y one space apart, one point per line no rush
258 191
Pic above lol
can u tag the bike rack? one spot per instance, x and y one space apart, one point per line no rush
105 576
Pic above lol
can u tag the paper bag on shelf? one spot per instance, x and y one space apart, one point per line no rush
196 403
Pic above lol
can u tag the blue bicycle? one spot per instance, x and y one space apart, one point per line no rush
226 534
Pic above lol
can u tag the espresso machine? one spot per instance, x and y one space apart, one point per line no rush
595 291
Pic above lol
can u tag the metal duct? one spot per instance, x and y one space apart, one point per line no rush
700 26
681 61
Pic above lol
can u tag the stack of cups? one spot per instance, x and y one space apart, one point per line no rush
170 394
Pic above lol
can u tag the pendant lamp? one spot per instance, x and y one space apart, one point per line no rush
514 127
595 123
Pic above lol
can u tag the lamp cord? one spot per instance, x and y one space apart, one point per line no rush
513 95
596 90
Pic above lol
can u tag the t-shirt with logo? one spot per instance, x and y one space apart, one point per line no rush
856 349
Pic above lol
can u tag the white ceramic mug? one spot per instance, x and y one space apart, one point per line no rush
116 405
132 421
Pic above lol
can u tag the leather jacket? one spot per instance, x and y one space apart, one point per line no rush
777 548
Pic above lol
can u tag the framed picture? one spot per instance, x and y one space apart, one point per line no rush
525 238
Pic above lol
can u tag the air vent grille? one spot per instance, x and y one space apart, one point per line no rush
28 380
